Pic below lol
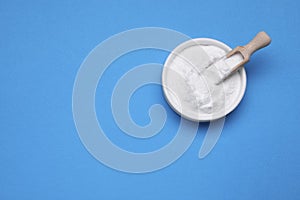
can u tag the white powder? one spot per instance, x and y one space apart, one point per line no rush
225 66
199 94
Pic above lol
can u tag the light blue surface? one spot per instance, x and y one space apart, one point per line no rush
42 46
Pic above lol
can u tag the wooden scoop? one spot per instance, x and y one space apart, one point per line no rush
242 54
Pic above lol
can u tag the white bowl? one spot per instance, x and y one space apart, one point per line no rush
197 52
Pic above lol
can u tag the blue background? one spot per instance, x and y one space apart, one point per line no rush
42 46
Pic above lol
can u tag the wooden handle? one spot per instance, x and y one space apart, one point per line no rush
259 41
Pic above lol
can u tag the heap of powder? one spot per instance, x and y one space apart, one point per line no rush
202 94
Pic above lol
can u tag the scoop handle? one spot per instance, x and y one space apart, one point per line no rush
261 40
